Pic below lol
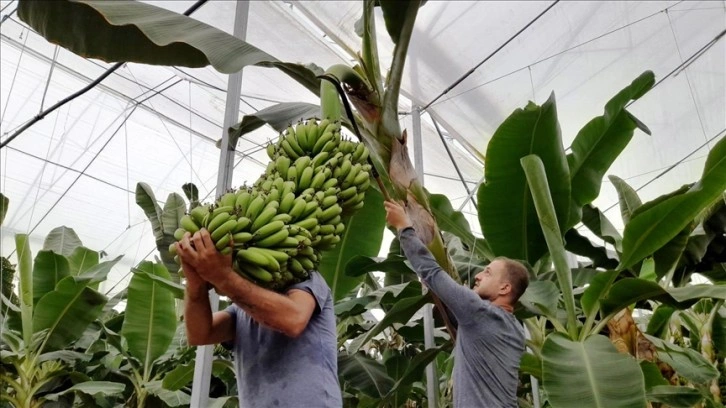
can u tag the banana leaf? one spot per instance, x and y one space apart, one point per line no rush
590 373
81 260
688 363
540 298
598 223
601 140
413 372
93 388
150 320
278 116
669 255
507 213
579 245
454 222
652 228
364 374
631 290
62 240
545 210
401 312
133 31
627 197
4 202
675 396
25 290
532 365
362 236
66 312
170 398
48 269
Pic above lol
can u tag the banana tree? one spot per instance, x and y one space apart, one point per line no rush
57 303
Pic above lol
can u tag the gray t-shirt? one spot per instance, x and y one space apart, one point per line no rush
274 370
489 343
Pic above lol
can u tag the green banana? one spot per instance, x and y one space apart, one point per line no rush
179 234
292 174
223 242
294 145
318 180
256 272
288 200
285 144
298 208
330 212
282 164
305 178
286 218
243 199
242 223
273 239
227 200
329 183
256 205
279 256
252 256
188 224
268 229
320 159
217 221
241 237
322 140
264 218
307 223
223 229
271 150
360 178
198 213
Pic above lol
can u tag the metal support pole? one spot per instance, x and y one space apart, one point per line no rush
432 383
203 365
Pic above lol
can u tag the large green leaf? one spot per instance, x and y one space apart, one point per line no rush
48 269
62 240
414 371
364 374
579 245
394 15
541 298
401 312
150 320
668 256
146 199
627 196
718 332
67 311
454 222
394 264
658 322
93 388
132 31
81 260
675 396
170 398
688 363
599 286
25 267
590 373
278 116
4 202
652 228
506 212
601 140
531 364
545 210
598 223
177 289
631 290
363 236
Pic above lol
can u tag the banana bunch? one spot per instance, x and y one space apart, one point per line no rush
277 228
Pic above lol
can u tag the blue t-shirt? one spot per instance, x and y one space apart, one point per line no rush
274 370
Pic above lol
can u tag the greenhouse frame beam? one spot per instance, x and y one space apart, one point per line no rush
203 362
451 157
432 386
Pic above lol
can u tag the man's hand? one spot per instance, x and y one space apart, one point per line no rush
396 215
199 255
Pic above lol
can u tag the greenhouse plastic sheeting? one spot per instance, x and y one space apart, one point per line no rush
80 165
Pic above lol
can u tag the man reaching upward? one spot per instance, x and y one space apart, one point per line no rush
490 341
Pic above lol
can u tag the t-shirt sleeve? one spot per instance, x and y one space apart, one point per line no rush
462 301
317 287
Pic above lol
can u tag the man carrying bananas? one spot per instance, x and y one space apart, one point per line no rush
490 341
285 345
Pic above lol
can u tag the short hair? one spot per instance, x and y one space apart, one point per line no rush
517 275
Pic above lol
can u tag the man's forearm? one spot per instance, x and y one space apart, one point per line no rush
197 315
268 308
